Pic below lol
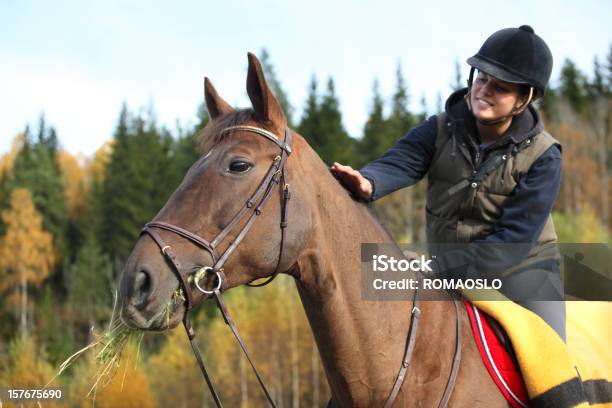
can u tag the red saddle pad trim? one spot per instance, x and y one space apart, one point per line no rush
500 365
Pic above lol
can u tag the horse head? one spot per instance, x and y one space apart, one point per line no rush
222 226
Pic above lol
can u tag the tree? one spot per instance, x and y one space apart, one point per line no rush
37 169
137 181
51 331
573 86
26 253
338 145
397 210
549 104
275 86
400 119
310 124
184 151
90 284
457 82
321 125
375 133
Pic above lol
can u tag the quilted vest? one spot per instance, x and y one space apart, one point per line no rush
464 199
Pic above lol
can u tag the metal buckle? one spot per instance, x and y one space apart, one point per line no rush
164 249
200 274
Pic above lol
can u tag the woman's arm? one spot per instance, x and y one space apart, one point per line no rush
402 165
405 163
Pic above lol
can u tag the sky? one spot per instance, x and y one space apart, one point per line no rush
78 61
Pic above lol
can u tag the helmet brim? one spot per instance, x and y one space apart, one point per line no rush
495 70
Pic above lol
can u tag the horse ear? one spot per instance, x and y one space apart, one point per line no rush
267 109
214 103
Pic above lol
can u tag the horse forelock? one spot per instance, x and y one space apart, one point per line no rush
212 133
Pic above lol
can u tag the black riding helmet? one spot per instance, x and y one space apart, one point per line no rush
515 55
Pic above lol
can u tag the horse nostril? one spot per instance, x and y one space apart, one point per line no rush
142 288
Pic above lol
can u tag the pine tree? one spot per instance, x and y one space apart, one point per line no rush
573 86
137 182
400 119
598 86
549 104
608 72
457 82
310 124
374 141
397 210
439 103
275 86
184 150
36 168
90 284
115 208
51 331
337 145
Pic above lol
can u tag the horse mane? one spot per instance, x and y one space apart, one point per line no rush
211 135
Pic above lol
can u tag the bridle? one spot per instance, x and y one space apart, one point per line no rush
254 206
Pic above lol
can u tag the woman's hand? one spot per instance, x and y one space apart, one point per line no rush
352 180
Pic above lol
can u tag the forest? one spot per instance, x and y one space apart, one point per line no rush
69 221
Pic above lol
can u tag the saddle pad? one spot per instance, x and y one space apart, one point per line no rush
500 365
558 374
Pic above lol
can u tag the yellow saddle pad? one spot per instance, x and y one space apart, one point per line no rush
557 374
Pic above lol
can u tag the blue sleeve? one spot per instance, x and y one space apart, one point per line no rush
405 163
523 217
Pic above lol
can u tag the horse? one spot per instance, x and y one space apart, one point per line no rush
362 343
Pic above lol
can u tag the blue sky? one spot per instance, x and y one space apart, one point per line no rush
79 60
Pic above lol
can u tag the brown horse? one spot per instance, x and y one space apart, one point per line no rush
362 343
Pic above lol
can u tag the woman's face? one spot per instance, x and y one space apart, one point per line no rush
492 98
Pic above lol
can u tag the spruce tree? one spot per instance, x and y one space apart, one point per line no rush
549 104
36 168
138 181
400 118
337 144
184 150
90 282
573 86
374 141
275 86
310 124
398 209
457 82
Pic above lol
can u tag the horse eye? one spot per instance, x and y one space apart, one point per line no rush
239 166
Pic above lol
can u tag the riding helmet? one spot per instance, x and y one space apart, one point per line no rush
515 55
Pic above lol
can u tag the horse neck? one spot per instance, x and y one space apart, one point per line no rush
328 279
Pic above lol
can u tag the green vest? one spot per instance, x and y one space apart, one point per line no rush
463 204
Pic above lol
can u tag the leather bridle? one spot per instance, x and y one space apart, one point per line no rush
254 206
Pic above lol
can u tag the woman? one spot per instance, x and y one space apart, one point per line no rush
493 174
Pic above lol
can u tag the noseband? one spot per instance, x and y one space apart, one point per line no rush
253 206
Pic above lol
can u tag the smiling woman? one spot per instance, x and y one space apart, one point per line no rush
493 172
